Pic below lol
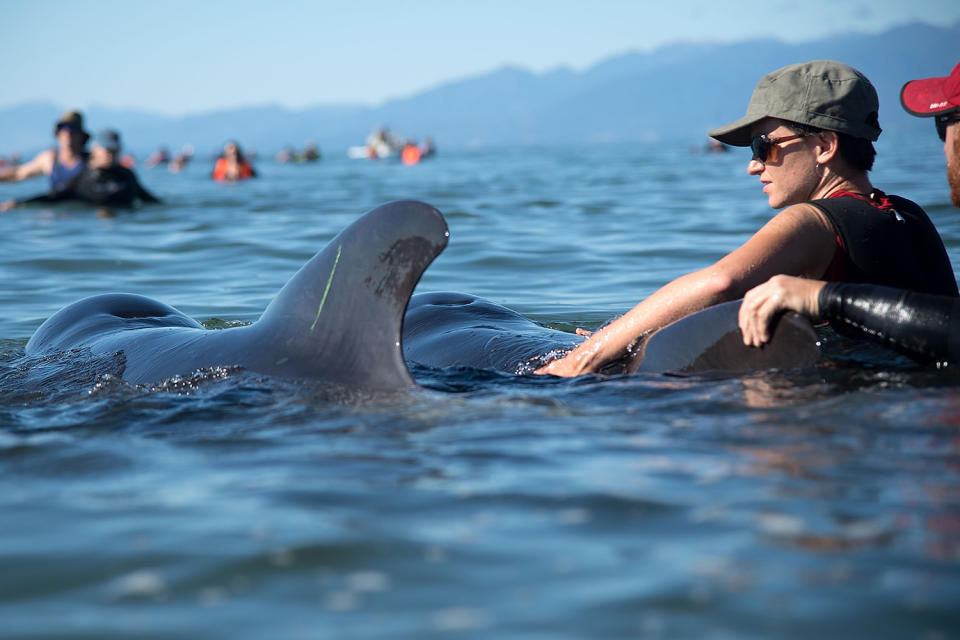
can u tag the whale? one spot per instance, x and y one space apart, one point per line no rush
446 329
349 317
337 320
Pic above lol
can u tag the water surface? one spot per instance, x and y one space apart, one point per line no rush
792 504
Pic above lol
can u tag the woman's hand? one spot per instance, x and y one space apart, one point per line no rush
563 367
762 304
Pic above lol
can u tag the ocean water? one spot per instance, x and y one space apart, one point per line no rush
822 502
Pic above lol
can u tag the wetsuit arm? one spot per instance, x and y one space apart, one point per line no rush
922 326
44 197
145 195
53 196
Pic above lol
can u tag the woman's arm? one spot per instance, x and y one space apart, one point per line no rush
799 241
142 192
922 326
41 164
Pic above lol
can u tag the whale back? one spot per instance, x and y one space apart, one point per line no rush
444 329
450 329
89 318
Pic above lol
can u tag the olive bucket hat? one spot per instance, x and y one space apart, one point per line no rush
820 93
72 120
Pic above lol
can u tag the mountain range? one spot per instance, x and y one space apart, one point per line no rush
674 92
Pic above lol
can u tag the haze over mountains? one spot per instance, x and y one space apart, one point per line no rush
675 92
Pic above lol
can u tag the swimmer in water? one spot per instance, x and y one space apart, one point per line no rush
180 160
104 181
922 326
232 166
62 164
158 157
811 128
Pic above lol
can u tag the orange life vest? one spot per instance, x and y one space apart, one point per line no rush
410 155
220 170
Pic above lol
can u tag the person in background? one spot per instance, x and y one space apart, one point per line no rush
427 147
715 146
411 153
62 164
232 166
12 161
922 326
811 127
107 181
288 154
157 158
311 152
104 182
180 160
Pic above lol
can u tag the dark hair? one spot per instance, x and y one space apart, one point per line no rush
857 152
240 158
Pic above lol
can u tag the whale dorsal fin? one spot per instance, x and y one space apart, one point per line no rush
340 316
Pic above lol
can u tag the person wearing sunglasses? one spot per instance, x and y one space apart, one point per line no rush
939 98
810 127
922 326
104 182
62 164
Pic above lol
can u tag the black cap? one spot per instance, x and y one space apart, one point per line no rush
109 140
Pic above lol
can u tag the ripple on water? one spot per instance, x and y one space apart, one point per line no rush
791 504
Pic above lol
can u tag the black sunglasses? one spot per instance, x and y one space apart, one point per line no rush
945 121
763 147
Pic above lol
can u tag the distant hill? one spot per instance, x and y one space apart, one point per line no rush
675 92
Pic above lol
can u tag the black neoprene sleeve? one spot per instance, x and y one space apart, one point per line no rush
922 326
53 196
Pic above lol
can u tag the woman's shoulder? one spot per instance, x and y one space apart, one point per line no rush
803 214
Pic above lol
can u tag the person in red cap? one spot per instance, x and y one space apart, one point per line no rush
811 128
939 98
921 326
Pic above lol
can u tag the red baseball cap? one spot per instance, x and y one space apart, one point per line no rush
932 96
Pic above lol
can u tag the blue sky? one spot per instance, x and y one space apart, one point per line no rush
176 57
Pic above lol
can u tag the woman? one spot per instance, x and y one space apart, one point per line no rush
62 164
811 127
232 166
922 326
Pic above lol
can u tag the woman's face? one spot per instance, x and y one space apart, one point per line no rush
790 174
70 137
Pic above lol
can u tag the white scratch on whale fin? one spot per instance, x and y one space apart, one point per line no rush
327 288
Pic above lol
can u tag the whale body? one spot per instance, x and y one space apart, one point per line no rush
338 319
452 329
347 317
